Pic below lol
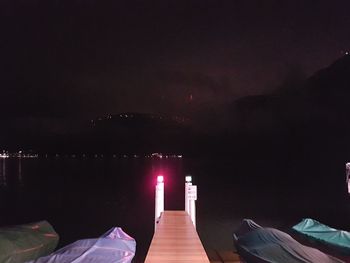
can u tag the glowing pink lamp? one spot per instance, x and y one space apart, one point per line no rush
160 179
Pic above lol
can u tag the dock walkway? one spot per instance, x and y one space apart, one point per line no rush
176 240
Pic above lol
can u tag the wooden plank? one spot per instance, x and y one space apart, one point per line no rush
223 256
176 240
229 256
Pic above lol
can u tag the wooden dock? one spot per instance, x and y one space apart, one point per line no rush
176 240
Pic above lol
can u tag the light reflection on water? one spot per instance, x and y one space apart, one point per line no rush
14 171
20 171
3 180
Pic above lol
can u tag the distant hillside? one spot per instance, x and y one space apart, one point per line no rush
140 121
137 132
320 103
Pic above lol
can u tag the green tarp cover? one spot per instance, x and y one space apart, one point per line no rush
26 242
323 233
257 244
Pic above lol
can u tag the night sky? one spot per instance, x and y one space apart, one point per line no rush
62 58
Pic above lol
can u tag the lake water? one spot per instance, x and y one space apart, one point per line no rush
83 197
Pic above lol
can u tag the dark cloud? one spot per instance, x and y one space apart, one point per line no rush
97 57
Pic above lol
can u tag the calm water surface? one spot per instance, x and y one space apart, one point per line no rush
84 197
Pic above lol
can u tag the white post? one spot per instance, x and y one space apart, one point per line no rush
347 167
190 199
193 211
159 200
188 182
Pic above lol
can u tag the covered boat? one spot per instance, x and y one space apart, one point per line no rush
27 242
256 244
334 238
115 246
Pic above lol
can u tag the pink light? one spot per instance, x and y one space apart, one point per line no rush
160 179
